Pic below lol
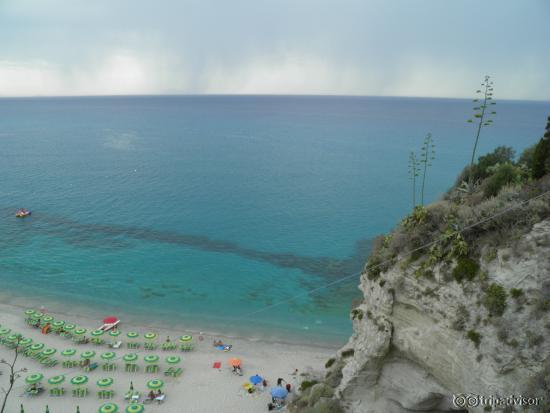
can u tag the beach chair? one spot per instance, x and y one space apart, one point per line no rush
131 368
152 368
177 372
150 346
169 372
115 345
90 367
132 345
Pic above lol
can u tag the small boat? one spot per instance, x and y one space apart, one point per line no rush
22 213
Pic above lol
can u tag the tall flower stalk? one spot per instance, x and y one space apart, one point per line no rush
414 169
482 115
427 155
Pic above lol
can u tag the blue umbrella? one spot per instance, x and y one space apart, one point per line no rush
256 379
279 392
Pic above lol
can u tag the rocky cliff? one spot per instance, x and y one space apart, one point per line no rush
456 301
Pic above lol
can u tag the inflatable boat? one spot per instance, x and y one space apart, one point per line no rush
22 213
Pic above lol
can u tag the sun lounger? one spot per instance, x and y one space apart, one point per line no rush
116 345
109 326
160 399
217 365
90 367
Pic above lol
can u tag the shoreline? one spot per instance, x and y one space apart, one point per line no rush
201 388
267 334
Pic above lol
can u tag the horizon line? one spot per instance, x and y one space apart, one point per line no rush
256 94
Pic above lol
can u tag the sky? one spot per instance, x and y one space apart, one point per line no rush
339 47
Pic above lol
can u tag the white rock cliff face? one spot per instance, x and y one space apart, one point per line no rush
409 355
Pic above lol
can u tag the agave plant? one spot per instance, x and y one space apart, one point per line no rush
482 117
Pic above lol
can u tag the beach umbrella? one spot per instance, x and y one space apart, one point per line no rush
49 351
110 320
108 355
13 337
130 357
29 312
108 408
256 379
234 362
185 339
4 331
69 327
79 380
106 382
150 336
132 334
79 331
25 342
37 314
58 323
135 408
69 352
34 378
36 346
47 318
151 359
56 380
87 354
279 392
114 333
97 333
173 359
155 384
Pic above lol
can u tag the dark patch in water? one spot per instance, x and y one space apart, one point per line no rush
117 236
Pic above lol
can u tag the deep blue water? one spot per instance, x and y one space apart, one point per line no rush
203 210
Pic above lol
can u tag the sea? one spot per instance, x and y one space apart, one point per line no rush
238 215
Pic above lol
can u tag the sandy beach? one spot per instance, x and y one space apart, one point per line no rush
200 388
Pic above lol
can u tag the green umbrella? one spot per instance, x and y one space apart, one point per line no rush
69 327
155 384
114 333
80 331
106 382
135 408
25 342
69 352
58 323
29 312
37 314
79 380
130 357
97 333
150 336
173 359
108 355
87 354
49 351
37 346
4 331
132 334
12 337
34 378
55 380
47 318
108 408
186 338
151 359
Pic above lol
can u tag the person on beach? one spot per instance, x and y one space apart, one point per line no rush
151 395
280 382
295 372
288 387
167 339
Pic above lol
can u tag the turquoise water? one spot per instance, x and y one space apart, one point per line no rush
204 210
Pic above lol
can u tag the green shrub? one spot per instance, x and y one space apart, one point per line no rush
329 362
495 299
466 269
475 337
541 155
348 353
306 384
516 293
505 174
